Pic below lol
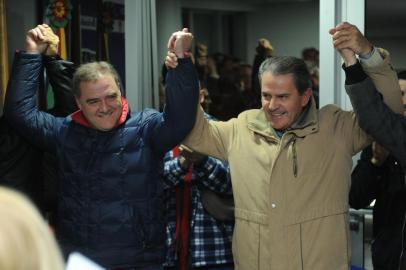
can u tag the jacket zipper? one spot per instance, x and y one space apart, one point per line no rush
294 157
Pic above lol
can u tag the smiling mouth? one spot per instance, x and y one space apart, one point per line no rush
278 114
105 114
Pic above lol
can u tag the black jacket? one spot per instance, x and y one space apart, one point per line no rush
25 167
386 185
388 129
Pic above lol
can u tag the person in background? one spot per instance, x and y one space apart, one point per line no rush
402 83
195 238
311 58
311 55
264 50
379 176
110 159
26 241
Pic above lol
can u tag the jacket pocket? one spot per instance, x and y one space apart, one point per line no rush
250 247
325 243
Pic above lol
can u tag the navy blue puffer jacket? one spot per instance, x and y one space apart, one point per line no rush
110 205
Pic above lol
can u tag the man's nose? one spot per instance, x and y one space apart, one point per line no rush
272 104
103 106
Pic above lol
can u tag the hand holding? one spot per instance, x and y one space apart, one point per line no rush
346 35
180 43
171 61
35 41
379 154
51 39
188 156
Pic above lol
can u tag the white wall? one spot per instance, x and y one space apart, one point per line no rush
169 20
289 27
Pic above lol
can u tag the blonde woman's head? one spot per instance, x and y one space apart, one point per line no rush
26 241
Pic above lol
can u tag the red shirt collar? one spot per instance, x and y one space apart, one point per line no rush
79 118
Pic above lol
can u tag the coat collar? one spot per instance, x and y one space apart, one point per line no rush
79 118
306 124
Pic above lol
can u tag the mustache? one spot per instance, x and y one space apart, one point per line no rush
105 113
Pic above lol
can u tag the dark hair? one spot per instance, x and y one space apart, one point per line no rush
280 65
402 75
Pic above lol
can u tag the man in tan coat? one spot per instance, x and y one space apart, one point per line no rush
291 165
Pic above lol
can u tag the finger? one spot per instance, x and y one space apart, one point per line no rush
341 33
343 25
171 42
172 57
344 45
169 63
171 54
342 39
39 34
44 30
32 34
332 31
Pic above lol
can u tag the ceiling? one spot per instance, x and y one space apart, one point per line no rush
383 18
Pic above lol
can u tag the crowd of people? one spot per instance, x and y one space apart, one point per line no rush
239 169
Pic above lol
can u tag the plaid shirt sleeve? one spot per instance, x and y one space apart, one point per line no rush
173 172
214 174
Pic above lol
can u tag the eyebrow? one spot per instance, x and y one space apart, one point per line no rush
92 99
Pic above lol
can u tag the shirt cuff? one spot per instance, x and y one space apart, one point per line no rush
373 59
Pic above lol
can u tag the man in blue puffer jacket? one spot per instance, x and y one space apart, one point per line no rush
110 159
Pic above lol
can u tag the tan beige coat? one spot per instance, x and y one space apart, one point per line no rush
291 194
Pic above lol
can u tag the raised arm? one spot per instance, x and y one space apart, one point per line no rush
60 74
20 104
211 138
376 118
386 126
182 90
374 61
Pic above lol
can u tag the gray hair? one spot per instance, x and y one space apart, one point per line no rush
281 65
91 72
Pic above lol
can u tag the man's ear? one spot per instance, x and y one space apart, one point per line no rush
78 103
306 96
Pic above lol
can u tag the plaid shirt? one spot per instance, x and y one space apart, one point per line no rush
209 239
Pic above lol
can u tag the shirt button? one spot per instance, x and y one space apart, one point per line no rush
273 205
